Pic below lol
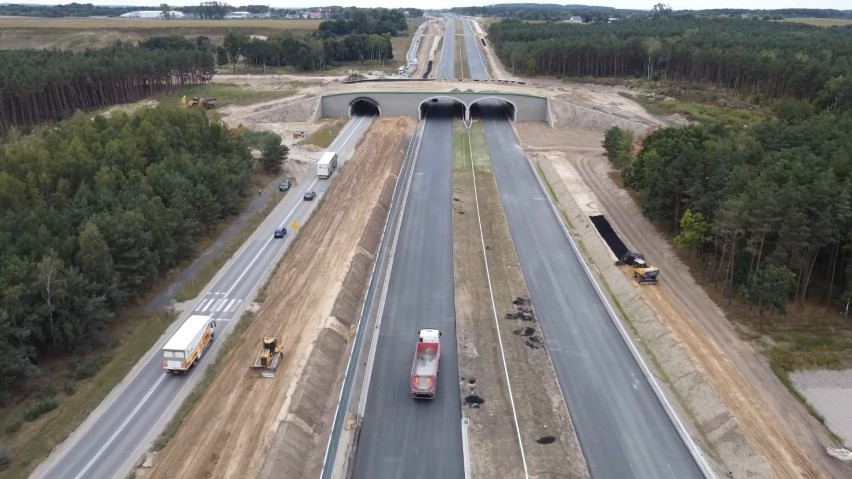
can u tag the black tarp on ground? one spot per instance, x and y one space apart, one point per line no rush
428 70
608 234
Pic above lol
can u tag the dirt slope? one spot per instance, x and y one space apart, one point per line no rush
230 430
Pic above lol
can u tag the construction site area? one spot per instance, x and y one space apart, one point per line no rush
270 408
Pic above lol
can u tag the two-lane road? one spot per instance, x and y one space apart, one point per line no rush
115 435
622 426
446 64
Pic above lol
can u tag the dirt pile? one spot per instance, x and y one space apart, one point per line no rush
231 430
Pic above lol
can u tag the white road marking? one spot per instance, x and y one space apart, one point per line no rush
230 303
120 428
494 311
221 304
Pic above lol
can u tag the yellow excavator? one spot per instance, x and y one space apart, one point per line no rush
206 103
643 273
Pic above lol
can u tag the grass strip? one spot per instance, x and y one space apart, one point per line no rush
461 153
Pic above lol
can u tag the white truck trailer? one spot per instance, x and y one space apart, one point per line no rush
327 164
188 344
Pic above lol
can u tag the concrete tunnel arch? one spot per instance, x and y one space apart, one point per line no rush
364 105
511 107
421 108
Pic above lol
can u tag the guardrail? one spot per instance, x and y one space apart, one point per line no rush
340 413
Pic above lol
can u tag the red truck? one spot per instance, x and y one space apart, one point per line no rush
424 371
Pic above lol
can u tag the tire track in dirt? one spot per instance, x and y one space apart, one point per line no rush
784 456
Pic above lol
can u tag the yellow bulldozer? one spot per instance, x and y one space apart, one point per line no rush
269 358
206 103
642 272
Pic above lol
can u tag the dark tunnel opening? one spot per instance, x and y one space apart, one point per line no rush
493 108
442 107
364 107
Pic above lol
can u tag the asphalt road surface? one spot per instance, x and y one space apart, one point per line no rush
118 432
447 63
475 60
400 436
623 429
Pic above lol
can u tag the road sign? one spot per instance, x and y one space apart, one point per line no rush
294 225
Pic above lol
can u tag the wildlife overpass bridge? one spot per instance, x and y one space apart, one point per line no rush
520 106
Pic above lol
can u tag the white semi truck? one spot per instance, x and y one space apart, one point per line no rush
188 344
327 164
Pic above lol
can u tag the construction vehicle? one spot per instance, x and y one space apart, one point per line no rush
424 370
187 345
206 103
269 358
643 273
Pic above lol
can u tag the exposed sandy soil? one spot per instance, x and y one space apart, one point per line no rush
427 50
538 401
733 398
311 303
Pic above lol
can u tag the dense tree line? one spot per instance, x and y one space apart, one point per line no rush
769 207
69 10
748 56
547 12
371 21
307 53
555 12
47 85
93 211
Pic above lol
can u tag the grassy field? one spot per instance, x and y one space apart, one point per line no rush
82 33
324 136
822 22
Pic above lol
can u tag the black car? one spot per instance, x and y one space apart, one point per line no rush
284 185
280 232
310 195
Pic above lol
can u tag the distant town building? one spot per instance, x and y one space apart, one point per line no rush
575 19
151 14
238 15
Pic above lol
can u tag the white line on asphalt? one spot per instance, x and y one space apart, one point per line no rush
263 248
204 304
230 303
120 428
466 456
221 304
695 452
365 386
494 310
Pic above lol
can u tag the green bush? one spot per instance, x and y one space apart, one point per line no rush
13 426
4 458
70 387
42 407
256 139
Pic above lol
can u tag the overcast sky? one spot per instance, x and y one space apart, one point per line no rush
632 4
